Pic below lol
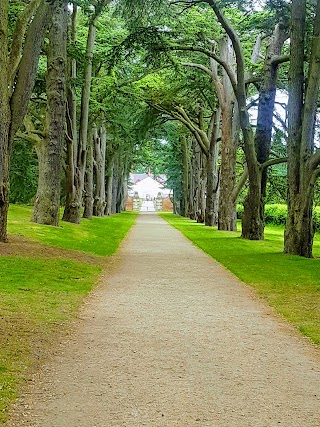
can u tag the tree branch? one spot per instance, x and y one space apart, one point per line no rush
315 160
237 189
279 59
210 54
18 38
28 67
272 162
200 66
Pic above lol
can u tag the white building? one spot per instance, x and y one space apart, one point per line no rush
148 187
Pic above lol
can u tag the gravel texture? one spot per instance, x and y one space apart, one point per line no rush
172 339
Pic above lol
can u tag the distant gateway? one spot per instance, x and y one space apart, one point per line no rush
147 187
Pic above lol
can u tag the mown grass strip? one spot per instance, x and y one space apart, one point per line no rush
37 297
290 284
98 236
40 295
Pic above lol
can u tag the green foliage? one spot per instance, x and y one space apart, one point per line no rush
23 173
138 13
289 283
276 214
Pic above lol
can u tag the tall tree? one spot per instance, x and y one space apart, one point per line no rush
303 157
18 65
47 201
77 141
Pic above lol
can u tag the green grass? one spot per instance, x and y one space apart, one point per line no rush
290 284
37 297
40 295
98 236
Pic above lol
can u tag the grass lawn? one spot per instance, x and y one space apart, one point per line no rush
39 295
98 236
290 284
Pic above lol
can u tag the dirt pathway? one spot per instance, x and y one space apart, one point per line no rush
174 340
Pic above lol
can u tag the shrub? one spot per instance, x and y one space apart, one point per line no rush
277 214
316 218
239 211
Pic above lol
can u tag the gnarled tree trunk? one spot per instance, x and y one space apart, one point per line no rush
5 118
227 208
73 190
303 158
76 160
47 201
88 197
100 167
18 67
185 176
109 181
253 216
211 214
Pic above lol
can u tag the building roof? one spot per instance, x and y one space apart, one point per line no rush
134 178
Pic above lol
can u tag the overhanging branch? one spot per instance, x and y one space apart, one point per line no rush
272 162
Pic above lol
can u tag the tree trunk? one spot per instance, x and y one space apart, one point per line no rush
75 180
4 168
114 201
120 193
227 207
252 224
88 180
195 172
100 167
4 122
14 99
229 141
253 218
72 210
303 159
47 201
109 183
299 230
211 214
185 176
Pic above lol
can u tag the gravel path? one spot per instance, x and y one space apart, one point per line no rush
172 339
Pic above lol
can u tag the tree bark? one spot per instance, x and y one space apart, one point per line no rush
211 214
47 201
255 200
5 118
185 176
14 98
197 187
227 209
229 139
109 181
100 167
253 215
88 197
76 169
303 159
252 227
72 210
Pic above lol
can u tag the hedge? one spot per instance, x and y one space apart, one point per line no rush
277 214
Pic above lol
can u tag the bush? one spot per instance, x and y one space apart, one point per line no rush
316 218
276 214
239 211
